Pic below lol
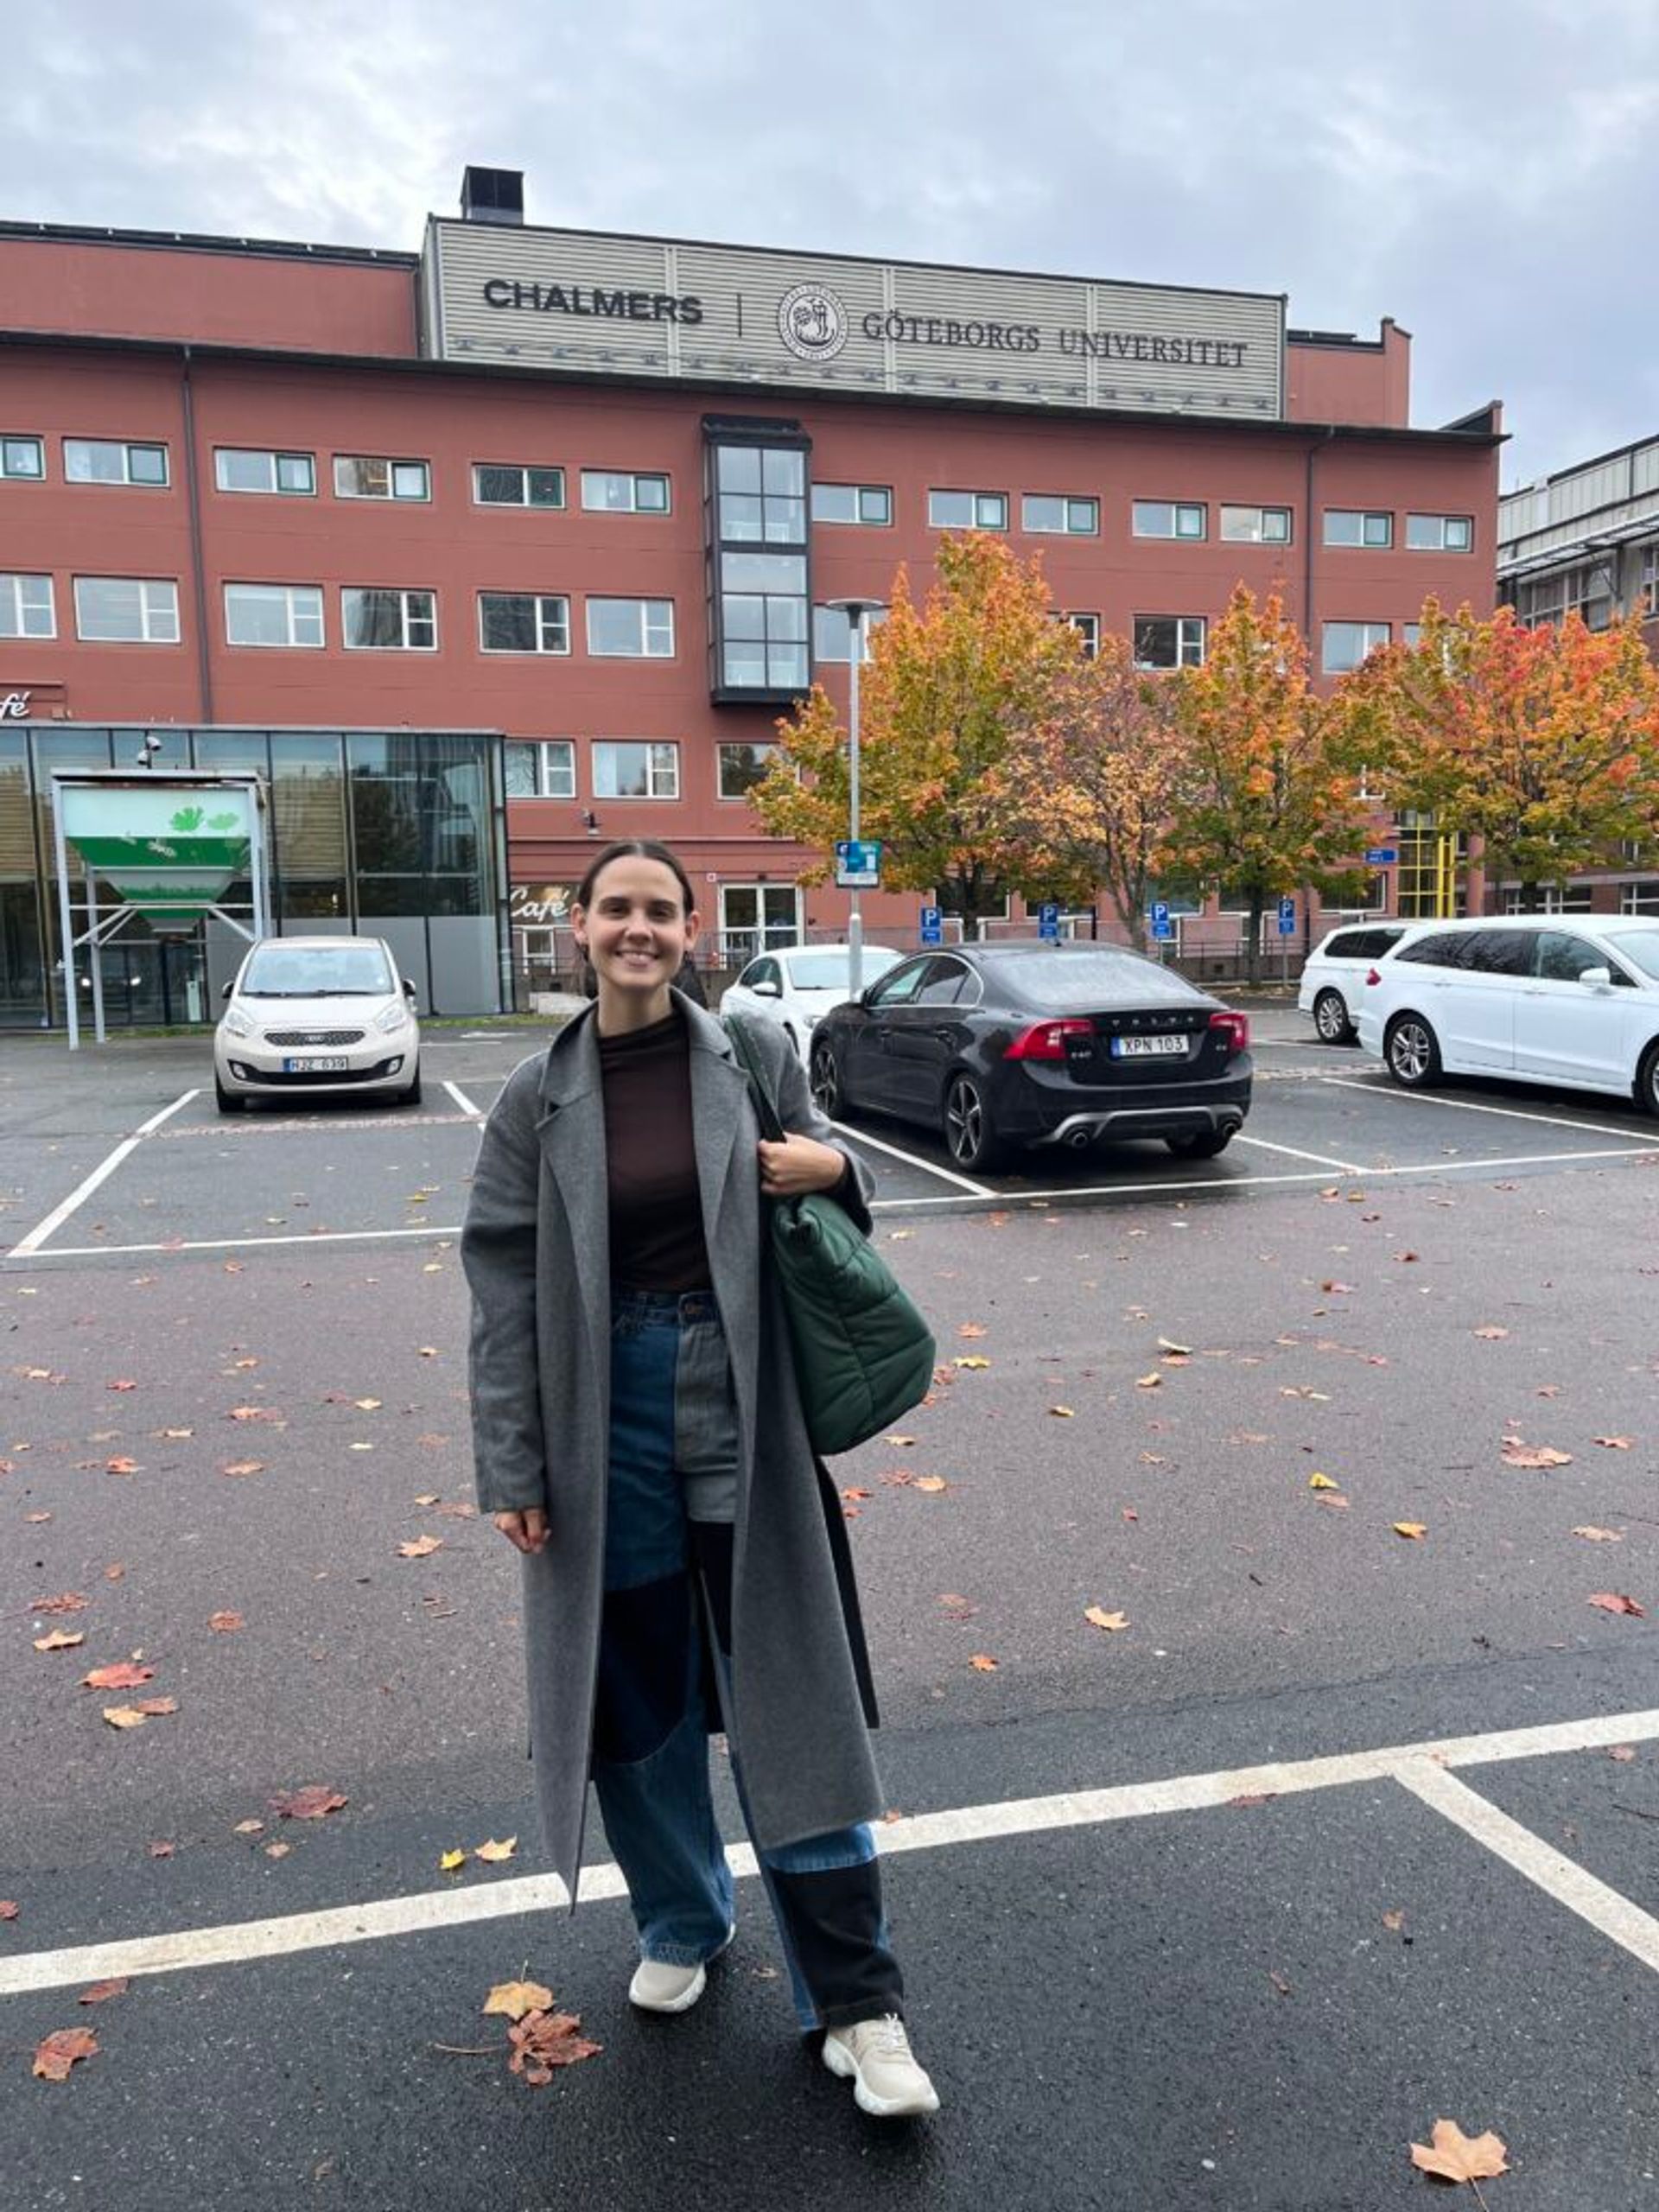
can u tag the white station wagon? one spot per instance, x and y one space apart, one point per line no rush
1540 998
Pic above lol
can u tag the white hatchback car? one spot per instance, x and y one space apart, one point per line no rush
796 985
1556 998
314 1015
1333 976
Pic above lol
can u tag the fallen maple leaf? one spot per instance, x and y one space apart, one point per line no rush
971 1329
972 1360
160 1850
1153 1381
308 1803
9 1909
125 1716
1062 1413
1491 1333
1458 2157
1395 1921
225 1623
983 1663
513 2000
253 1413
1316 1481
1101 1619
153 1708
243 1467
854 1496
57 1640
1623 1753
1594 1536
1517 1454
1614 1443
449 1861
1610 1602
420 1547
930 1483
542 2041
899 1439
67 1601
124 1675
59 2051
123 1383
249 1828
1414 1530
121 1466
101 1991
493 1853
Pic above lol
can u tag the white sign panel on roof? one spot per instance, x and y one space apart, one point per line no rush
578 302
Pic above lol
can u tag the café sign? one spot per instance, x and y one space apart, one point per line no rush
591 303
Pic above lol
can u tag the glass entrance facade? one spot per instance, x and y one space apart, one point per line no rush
396 834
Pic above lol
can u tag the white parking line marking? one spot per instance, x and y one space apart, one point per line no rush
1561 1878
463 1101
1294 1152
59 1214
238 1941
945 1174
1507 1113
243 1243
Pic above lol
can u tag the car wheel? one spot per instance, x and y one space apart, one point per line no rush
1205 1146
970 1136
826 1082
1331 1018
228 1100
1412 1053
1647 1080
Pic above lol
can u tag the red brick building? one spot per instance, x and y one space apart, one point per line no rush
587 492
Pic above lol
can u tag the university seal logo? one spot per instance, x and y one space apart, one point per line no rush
812 322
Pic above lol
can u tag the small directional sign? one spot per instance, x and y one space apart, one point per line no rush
1382 856
858 864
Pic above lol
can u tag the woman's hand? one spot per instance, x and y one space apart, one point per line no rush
797 1164
526 1531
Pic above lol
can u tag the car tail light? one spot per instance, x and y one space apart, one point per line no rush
1238 1029
1045 1041
1374 976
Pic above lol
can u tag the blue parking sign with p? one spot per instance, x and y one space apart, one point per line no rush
1048 920
1286 916
932 925
1161 925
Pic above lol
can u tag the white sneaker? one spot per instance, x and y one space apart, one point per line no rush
659 1987
876 2057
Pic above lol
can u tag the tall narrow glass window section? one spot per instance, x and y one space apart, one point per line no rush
759 596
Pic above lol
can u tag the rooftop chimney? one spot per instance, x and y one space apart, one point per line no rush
492 195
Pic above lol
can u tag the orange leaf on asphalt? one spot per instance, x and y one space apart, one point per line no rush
899 1439
9 1909
121 1466
972 1359
420 1547
1491 1333
101 1991
1623 1753
1610 1602
983 1663
1101 1619
125 1383
243 1467
1149 1381
124 1675
1517 1454
492 1853
930 1483
161 1850
67 1601
1062 1413
57 1640
1594 1536
59 2051
1316 1481
971 1329
1395 1921
513 2000
152 1707
1458 2157
1615 1443
125 1716
542 2041
308 1803
225 1623
253 1413
1414 1530
854 1495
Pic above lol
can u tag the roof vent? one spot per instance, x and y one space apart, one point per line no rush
492 195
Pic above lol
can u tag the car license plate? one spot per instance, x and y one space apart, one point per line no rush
313 1067
1140 1048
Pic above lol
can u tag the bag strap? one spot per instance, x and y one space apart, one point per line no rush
748 1057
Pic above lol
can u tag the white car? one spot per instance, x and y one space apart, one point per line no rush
796 985
1563 999
1333 976
310 1016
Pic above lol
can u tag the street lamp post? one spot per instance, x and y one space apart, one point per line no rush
856 611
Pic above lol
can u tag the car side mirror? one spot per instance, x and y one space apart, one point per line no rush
409 992
1596 979
226 988
767 990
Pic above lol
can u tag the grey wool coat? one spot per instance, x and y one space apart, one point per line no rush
535 1247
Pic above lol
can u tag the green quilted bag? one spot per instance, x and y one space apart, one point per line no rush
863 1354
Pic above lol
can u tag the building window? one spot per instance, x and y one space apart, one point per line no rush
1641 897
756 917
636 771
1169 640
1354 526
541 768
1585 591
968 510
1346 644
127 610
1647 604
1164 518
26 609
106 461
871 504
1088 628
759 602
523 622
1255 525
503 484
388 621
22 457
248 468
1044 512
631 629
1439 533
1411 635
742 767
618 491
832 633
363 476
273 614
1551 899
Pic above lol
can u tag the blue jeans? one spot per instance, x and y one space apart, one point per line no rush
664 1646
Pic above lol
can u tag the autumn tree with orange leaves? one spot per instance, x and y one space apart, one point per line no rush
1542 743
1269 799
949 700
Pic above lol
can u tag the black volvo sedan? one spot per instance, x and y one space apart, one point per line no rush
1005 1045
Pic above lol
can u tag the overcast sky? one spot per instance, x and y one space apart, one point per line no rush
1486 174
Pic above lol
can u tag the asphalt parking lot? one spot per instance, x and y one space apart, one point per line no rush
1344 1829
